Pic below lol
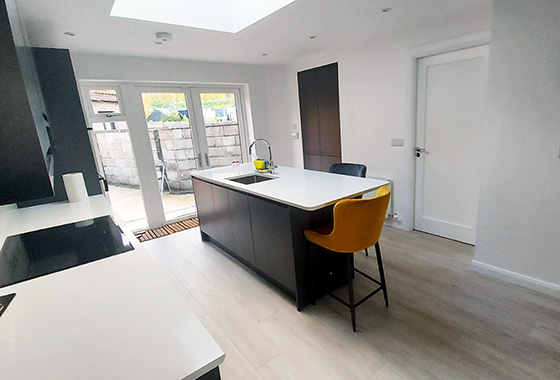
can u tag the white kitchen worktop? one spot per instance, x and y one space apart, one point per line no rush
305 189
115 318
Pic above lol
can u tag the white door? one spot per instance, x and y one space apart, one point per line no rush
451 96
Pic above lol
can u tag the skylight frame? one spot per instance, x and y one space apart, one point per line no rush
229 16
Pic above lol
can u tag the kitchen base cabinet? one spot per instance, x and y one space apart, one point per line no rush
205 207
241 225
222 217
272 241
267 237
212 375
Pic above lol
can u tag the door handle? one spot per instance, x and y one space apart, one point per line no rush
207 160
420 150
104 180
199 158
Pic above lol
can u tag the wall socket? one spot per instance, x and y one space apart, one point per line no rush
397 142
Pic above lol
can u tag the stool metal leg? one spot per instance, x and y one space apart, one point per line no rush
381 273
367 254
352 305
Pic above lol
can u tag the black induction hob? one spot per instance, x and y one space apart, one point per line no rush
42 252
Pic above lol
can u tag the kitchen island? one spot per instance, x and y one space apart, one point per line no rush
114 318
261 224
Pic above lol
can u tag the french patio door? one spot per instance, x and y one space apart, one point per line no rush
219 123
148 138
189 128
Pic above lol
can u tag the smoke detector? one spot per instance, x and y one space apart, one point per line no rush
162 37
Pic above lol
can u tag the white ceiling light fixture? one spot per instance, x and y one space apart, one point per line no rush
164 36
229 16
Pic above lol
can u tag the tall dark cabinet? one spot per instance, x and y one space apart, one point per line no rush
24 137
71 145
43 132
320 116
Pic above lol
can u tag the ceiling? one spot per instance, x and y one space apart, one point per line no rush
283 36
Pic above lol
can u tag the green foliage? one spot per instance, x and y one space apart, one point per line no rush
174 116
168 101
217 100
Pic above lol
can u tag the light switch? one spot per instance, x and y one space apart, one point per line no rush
397 142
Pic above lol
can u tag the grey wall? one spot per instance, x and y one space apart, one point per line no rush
519 213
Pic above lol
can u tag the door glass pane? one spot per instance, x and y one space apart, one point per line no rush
119 164
174 154
105 101
219 111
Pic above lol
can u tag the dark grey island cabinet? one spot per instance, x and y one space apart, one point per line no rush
267 237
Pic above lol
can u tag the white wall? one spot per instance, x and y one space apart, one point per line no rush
374 85
374 92
123 68
519 213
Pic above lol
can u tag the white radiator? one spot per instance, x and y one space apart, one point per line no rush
390 210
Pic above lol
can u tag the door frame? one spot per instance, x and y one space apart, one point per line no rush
131 98
163 88
460 232
195 92
413 55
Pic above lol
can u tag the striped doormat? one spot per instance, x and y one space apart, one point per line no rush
168 229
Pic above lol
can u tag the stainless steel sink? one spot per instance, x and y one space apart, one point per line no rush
250 178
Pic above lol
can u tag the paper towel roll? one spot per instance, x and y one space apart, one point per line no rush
75 187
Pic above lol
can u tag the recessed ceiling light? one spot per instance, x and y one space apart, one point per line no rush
164 36
70 34
312 37
385 10
229 16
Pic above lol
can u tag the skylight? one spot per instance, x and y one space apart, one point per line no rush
222 15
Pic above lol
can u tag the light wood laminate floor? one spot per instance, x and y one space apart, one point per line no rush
444 321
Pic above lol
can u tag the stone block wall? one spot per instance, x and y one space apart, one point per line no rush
117 157
172 142
224 145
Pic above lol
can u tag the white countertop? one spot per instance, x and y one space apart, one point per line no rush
116 318
305 189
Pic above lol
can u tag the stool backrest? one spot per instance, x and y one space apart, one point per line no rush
358 222
354 170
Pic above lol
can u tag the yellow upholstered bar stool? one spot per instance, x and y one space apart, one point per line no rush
357 224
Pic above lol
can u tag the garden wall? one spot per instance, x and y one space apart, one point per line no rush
171 142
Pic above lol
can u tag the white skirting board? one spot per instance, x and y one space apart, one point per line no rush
517 278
